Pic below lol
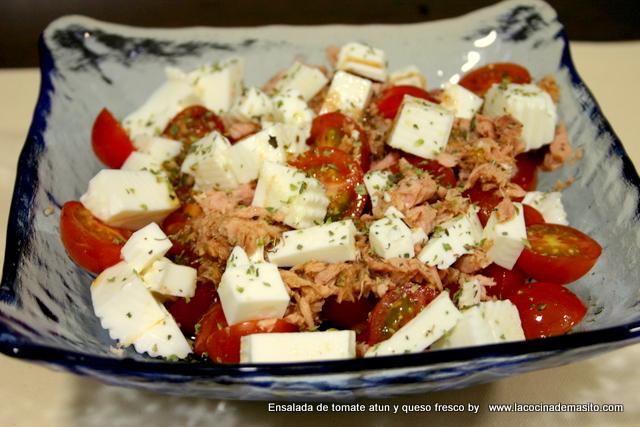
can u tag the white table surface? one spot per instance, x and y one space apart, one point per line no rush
35 396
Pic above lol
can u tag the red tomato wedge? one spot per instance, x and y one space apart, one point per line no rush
329 130
191 124
176 221
442 174
481 79
213 320
341 176
396 308
188 312
507 281
89 242
347 314
527 175
558 253
532 216
110 141
389 101
223 346
486 201
547 309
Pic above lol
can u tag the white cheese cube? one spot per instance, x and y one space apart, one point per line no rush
451 240
335 242
429 325
297 347
292 108
489 322
173 96
123 304
303 78
393 212
208 161
166 278
470 293
301 199
247 155
252 291
377 183
419 236
129 199
220 84
530 105
391 238
159 148
549 204
138 161
363 60
348 94
462 102
408 76
164 339
508 238
145 246
421 128
253 105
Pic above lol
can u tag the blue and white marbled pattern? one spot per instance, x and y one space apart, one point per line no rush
45 309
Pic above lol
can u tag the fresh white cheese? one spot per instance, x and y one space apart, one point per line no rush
377 183
489 322
303 78
174 95
470 293
130 199
348 94
145 246
297 347
421 128
138 161
451 240
530 105
167 278
391 238
253 105
123 304
549 204
408 76
363 60
159 148
462 102
220 84
393 212
334 242
508 238
429 325
251 290
292 108
301 199
419 236
247 155
164 339
208 161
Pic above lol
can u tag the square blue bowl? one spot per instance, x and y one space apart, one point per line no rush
45 309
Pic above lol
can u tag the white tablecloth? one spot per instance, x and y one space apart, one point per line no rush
35 396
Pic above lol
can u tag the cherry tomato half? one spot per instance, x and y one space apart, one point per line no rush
389 101
176 221
189 311
547 309
532 216
110 141
558 253
213 320
481 79
347 314
223 346
442 174
527 175
396 308
329 130
486 201
89 242
341 176
507 281
191 124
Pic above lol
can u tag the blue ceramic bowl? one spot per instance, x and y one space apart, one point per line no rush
45 309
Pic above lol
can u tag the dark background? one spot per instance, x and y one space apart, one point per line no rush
21 21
